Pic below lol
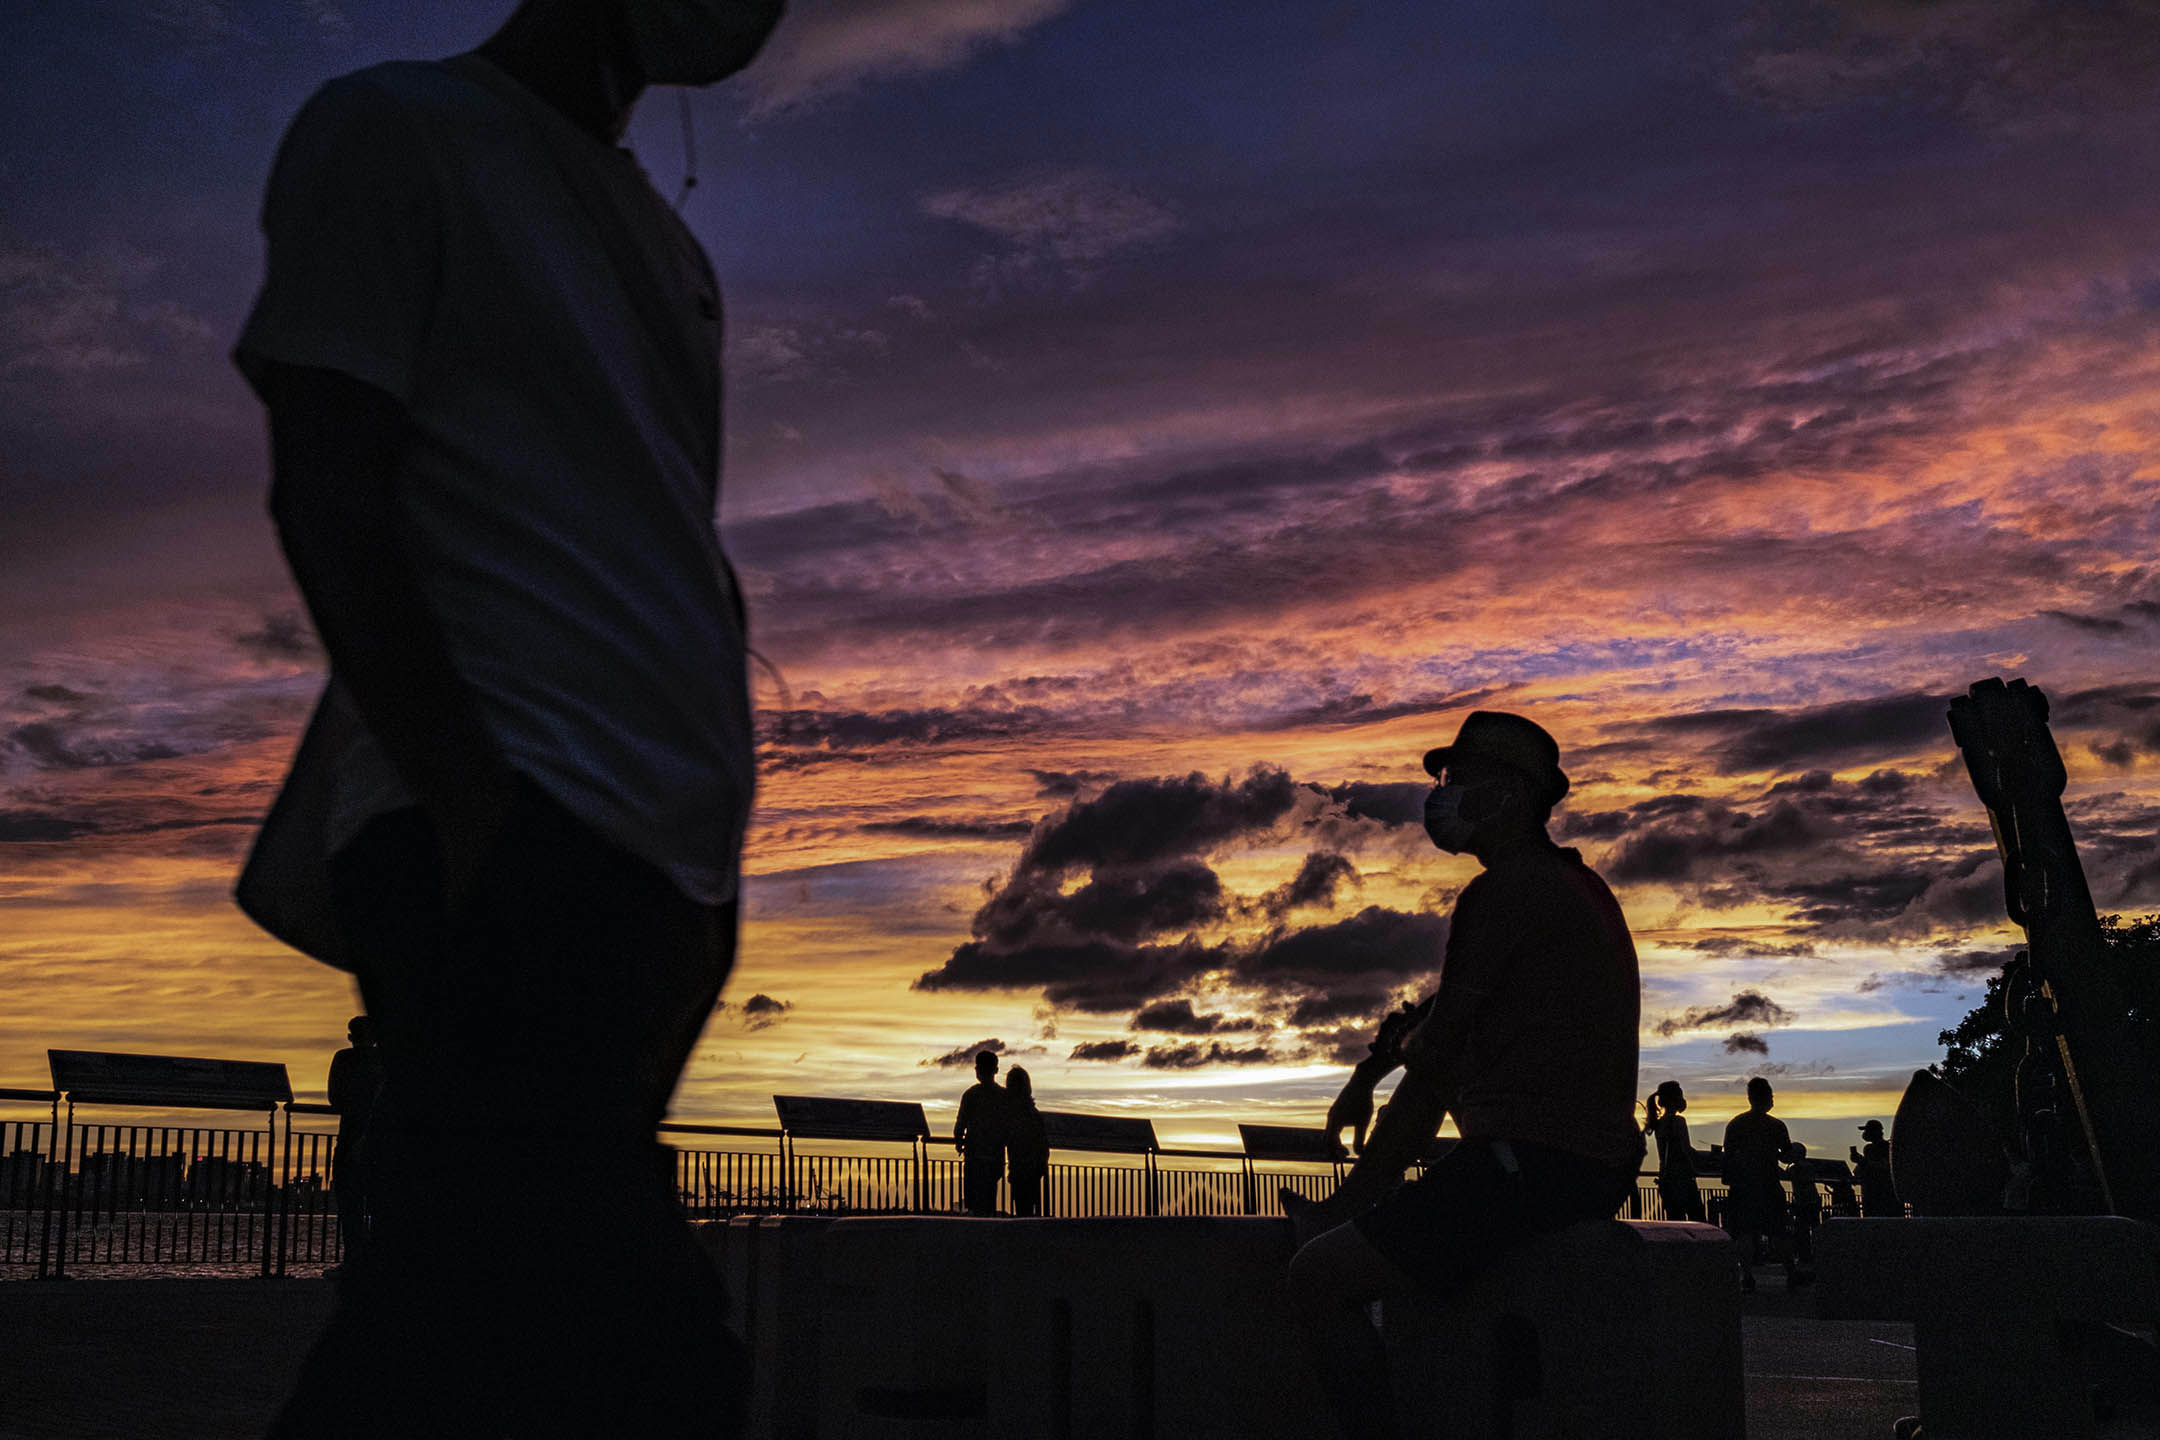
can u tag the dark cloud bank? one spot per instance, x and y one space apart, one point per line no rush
1110 903
1127 938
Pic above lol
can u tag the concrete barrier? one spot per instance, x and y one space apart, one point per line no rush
1994 1304
1557 1340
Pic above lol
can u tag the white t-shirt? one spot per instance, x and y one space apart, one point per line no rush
553 331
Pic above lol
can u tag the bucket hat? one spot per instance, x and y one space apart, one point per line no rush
1496 736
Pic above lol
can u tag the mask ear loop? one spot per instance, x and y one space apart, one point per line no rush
689 148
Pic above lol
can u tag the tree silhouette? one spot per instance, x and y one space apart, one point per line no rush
1981 1053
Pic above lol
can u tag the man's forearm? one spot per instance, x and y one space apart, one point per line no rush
1399 1137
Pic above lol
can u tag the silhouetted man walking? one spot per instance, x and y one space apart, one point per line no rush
489 351
1530 1043
356 1079
980 1132
1755 1145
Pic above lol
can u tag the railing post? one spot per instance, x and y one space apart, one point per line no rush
1154 1190
269 1217
1252 1188
285 1188
45 1230
61 1193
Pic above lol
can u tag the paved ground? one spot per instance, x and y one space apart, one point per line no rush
177 1359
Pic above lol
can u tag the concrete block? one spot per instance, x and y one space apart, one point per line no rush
907 1338
784 1313
1988 1299
732 1245
1552 1341
1167 1328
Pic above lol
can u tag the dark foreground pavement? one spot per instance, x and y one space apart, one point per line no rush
210 1359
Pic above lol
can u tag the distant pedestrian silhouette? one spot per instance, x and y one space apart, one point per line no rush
1755 1212
1530 1043
1027 1143
980 1133
356 1082
1806 1201
1871 1171
1676 1156
489 350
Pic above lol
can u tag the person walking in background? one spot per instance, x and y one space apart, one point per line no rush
1755 1145
1027 1144
980 1133
1530 1042
1676 1156
1871 1170
490 353
356 1079
1806 1201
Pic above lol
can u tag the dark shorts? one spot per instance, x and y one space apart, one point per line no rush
1755 1210
1468 1209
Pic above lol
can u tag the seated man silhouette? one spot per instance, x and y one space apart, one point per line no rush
981 1133
1530 1042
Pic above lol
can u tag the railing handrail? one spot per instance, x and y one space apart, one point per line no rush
685 1127
766 1132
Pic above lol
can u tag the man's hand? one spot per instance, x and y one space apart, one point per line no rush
1437 1042
1387 1044
469 821
1419 1050
1352 1109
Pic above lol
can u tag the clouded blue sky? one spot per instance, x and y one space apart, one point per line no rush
1168 421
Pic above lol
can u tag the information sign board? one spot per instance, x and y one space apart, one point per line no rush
817 1117
101 1077
1289 1142
1111 1134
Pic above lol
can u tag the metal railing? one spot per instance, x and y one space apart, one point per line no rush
78 1193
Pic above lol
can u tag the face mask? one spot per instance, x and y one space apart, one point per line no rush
696 42
1444 820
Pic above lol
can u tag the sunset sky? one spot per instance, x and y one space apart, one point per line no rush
1149 428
